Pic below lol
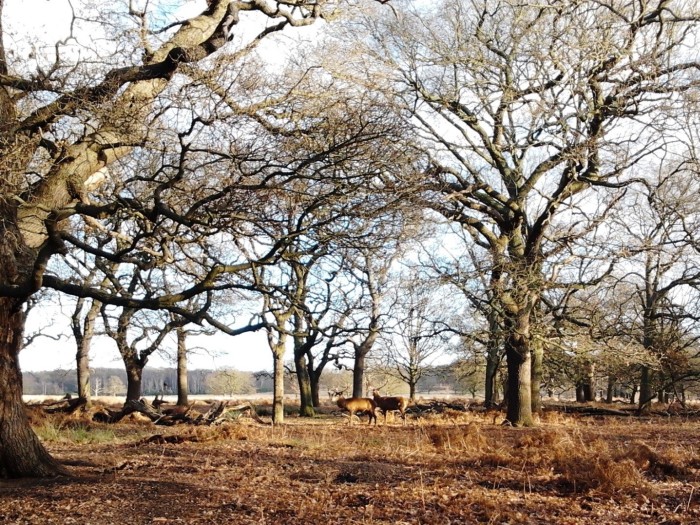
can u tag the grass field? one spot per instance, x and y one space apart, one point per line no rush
449 468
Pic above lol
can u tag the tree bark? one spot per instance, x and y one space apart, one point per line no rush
358 373
493 350
134 374
610 390
536 376
315 372
84 340
306 406
662 396
589 382
646 393
490 380
315 382
21 452
412 392
362 349
182 386
519 391
82 358
304 340
278 382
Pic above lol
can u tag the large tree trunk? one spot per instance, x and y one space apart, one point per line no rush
589 381
362 350
278 385
580 393
588 391
134 374
662 396
82 357
519 394
182 386
302 343
610 389
493 356
21 452
306 407
358 375
315 381
536 377
490 380
519 361
315 373
646 393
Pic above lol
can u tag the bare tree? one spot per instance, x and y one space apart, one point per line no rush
481 324
137 337
662 276
183 389
182 353
83 326
532 117
65 128
412 341
372 272
229 382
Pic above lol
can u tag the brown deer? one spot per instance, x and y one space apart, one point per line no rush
358 404
386 404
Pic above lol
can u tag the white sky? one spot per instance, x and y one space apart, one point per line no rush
245 352
248 352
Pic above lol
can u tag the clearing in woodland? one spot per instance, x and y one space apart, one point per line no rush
453 467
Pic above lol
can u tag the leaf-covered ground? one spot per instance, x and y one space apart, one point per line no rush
454 468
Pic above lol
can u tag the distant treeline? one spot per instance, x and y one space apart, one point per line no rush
155 381
112 381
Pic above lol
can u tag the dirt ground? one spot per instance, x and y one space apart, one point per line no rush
446 469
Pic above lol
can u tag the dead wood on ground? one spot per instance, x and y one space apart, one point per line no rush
217 413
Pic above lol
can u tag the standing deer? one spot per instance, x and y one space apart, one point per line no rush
386 404
358 404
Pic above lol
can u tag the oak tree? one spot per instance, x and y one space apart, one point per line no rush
81 118
532 117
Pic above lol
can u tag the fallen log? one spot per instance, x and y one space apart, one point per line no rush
437 407
217 413
220 412
586 410
67 405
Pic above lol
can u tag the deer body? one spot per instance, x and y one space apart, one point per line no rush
386 404
358 404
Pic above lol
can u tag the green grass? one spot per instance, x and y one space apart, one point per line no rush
74 433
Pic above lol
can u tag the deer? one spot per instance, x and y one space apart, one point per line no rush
386 404
358 404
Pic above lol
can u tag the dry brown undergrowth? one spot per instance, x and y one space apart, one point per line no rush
453 468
